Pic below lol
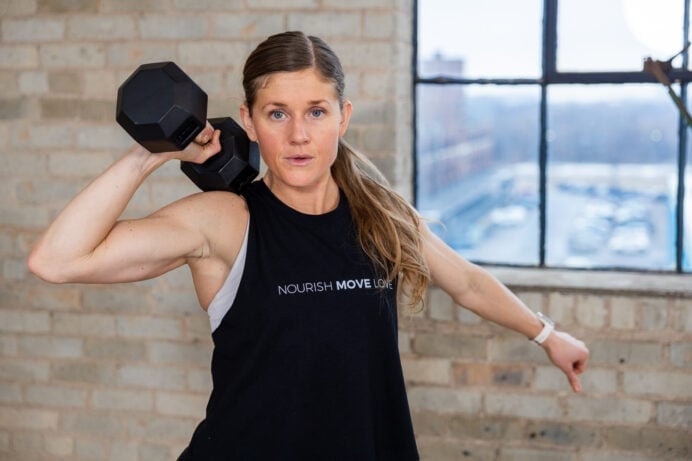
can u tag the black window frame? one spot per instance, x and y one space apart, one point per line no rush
551 76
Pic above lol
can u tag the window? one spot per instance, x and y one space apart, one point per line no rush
541 140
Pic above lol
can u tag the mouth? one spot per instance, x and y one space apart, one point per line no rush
299 159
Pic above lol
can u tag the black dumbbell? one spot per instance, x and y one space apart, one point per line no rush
164 110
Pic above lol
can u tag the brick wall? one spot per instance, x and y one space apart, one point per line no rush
121 372
478 392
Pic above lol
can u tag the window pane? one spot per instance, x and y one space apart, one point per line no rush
491 38
477 169
594 35
611 177
687 219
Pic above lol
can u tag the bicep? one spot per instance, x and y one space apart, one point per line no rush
448 270
148 247
140 249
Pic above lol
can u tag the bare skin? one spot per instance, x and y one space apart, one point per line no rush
297 120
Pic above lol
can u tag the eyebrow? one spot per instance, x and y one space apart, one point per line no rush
281 104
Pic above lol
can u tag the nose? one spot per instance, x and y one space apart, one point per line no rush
299 132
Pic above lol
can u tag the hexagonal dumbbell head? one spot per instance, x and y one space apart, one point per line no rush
231 169
161 107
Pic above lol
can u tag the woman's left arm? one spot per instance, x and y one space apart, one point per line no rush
476 289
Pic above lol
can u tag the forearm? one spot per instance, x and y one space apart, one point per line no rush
86 221
490 299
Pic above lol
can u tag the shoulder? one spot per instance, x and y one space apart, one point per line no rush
207 206
220 217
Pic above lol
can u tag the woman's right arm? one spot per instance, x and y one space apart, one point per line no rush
86 243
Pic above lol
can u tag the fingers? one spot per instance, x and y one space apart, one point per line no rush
208 149
574 381
570 355
205 135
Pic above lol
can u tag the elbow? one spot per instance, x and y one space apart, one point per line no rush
44 269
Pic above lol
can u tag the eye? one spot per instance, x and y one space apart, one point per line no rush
317 112
277 115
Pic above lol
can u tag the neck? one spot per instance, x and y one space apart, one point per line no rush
317 199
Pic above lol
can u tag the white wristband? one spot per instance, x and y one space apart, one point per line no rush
545 332
548 327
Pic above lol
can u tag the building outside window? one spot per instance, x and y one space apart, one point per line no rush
542 141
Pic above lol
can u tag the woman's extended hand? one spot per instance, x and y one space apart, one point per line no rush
569 355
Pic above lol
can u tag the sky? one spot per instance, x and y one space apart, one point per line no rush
493 36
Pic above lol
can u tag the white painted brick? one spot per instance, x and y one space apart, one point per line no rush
61 446
152 377
198 53
667 384
18 7
523 406
175 404
561 308
379 25
609 410
328 25
440 305
23 370
285 4
148 327
10 393
56 396
129 55
444 400
19 57
360 4
623 313
73 55
101 84
14 269
52 136
654 313
199 381
34 29
103 138
208 5
33 82
675 414
427 371
591 311
24 322
83 324
28 418
92 449
8 345
112 399
124 451
101 27
684 309
404 342
49 346
169 353
681 355
247 26
153 27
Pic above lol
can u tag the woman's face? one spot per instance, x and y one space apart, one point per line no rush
297 122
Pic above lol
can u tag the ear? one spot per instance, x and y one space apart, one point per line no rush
346 110
246 119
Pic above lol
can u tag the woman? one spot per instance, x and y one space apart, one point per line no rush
300 274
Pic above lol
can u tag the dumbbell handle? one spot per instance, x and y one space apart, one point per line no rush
236 165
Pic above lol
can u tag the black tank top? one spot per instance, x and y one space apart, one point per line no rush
305 363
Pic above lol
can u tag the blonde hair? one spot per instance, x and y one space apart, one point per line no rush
388 227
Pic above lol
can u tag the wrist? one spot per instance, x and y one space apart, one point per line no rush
142 160
548 328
